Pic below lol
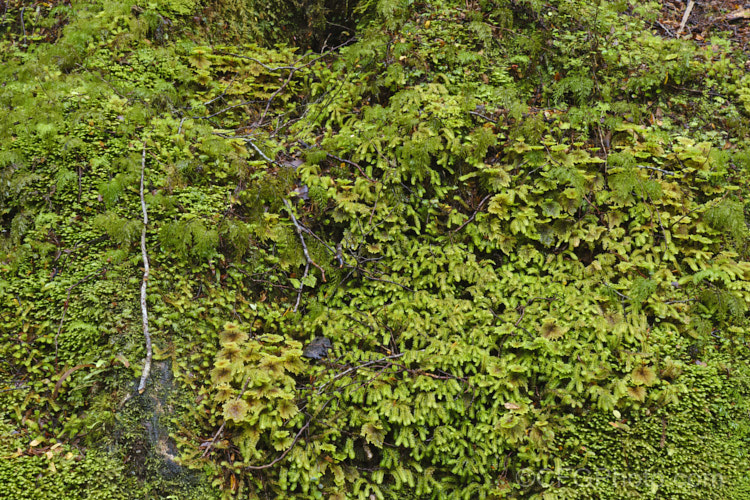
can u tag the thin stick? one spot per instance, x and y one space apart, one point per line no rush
224 423
686 15
666 29
23 25
359 367
144 310
479 207
294 442
648 167
480 115
261 153
304 250
348 162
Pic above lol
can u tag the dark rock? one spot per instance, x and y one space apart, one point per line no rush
317 349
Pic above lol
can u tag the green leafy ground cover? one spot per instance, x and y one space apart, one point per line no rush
521 224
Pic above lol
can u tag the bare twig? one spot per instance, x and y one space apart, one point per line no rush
622 295
471 218
256 148
686 15
57 270
144 254
23 25
648 167
715 203
19 388
352 164
312 417
359 367
334 252
480 115
666 29
307 255
252 278
294 442
369 276
104 80
224 110
224 423
292 71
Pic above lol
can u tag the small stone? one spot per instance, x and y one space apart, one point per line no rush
317 349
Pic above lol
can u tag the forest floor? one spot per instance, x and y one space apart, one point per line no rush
705 19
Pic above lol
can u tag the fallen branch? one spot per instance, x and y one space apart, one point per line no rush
261 153
480 115
224 423
471 218
738 15
648 167
686 15
359 367
293 69
307 255
144 310
369 276
66 375
23 25
348 162
666 29
294 442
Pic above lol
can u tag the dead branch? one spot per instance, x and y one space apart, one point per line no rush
358 367
56 271
23 25
294 442
648 167
307 255
480 115
471 218
686 15
144 254
224 423
352 164
66 375
256 148
369 276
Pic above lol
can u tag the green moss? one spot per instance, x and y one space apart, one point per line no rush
520 226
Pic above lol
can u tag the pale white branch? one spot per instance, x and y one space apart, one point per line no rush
144 309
